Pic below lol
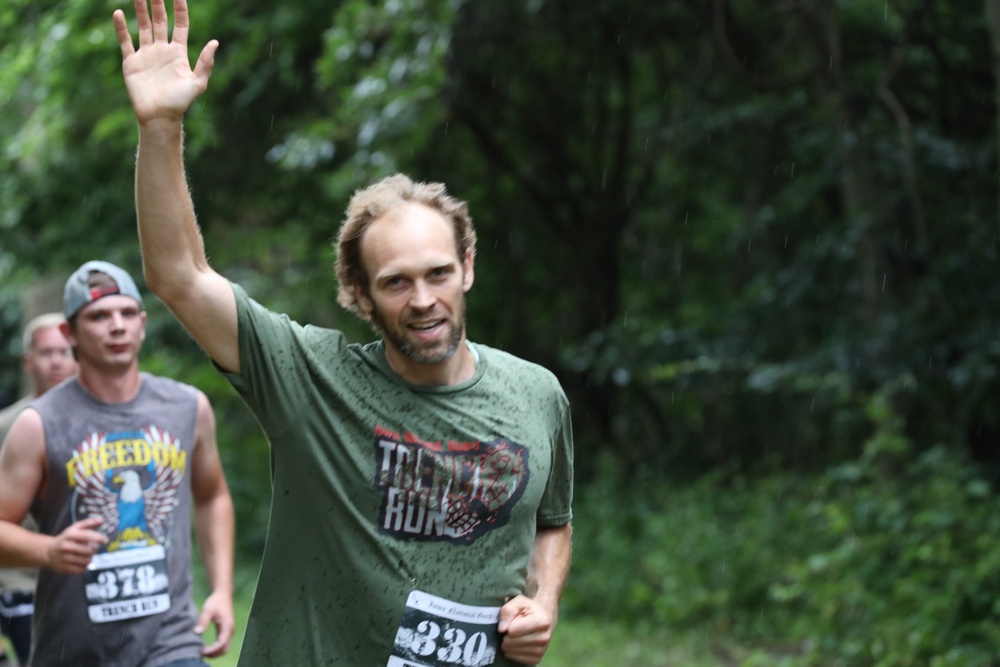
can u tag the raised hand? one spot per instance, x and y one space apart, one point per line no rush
158 75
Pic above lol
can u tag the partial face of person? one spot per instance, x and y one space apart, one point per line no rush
109 332
417 283
50 359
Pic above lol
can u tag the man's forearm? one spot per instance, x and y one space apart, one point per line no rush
550 561
22 548
214 523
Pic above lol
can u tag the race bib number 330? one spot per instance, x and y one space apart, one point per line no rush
436 632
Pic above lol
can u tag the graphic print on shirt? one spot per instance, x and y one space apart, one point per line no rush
130 480
446 490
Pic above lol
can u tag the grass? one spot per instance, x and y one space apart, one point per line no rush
593 643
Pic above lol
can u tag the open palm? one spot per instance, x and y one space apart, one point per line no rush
158 75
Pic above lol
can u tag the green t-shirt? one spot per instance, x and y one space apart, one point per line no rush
391 500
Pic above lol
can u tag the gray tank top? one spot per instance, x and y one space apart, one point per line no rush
127 463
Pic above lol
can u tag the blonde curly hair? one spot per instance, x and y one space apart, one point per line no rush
372 202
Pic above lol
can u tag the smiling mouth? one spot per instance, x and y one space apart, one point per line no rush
425 326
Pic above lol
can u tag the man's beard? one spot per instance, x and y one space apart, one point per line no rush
413 350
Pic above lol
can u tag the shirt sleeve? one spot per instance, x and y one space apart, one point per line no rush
276 357
557 500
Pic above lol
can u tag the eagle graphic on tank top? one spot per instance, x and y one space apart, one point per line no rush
130 480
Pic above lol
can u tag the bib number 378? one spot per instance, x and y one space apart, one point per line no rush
436 632
127 584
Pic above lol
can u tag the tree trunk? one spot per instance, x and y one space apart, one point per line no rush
993 26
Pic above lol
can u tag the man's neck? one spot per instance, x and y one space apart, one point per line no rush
460 367
110 385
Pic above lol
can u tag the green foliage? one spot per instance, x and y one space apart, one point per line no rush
724 226
905 567
696 555
720 241
890 560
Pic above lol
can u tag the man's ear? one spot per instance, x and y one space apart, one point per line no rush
468 271
67 332
365 304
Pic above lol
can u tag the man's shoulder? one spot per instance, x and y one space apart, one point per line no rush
282 326
505 363
498 356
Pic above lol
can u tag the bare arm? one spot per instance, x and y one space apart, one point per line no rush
214 526
22 475
529 620
162 86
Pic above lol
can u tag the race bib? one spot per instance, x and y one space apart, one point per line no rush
127 584
436 632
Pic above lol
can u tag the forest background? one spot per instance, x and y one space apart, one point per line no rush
756 241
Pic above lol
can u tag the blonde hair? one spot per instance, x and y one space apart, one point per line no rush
45 321
376 200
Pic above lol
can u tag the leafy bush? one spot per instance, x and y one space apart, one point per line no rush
707 553
891 560
908 568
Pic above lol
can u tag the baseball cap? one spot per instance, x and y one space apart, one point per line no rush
78 292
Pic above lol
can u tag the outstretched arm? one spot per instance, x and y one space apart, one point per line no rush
162 86
214 526
529 620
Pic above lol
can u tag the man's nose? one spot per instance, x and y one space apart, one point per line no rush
423 296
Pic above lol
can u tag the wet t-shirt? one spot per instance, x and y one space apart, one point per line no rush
402 516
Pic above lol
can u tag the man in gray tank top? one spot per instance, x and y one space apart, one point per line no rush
112 464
